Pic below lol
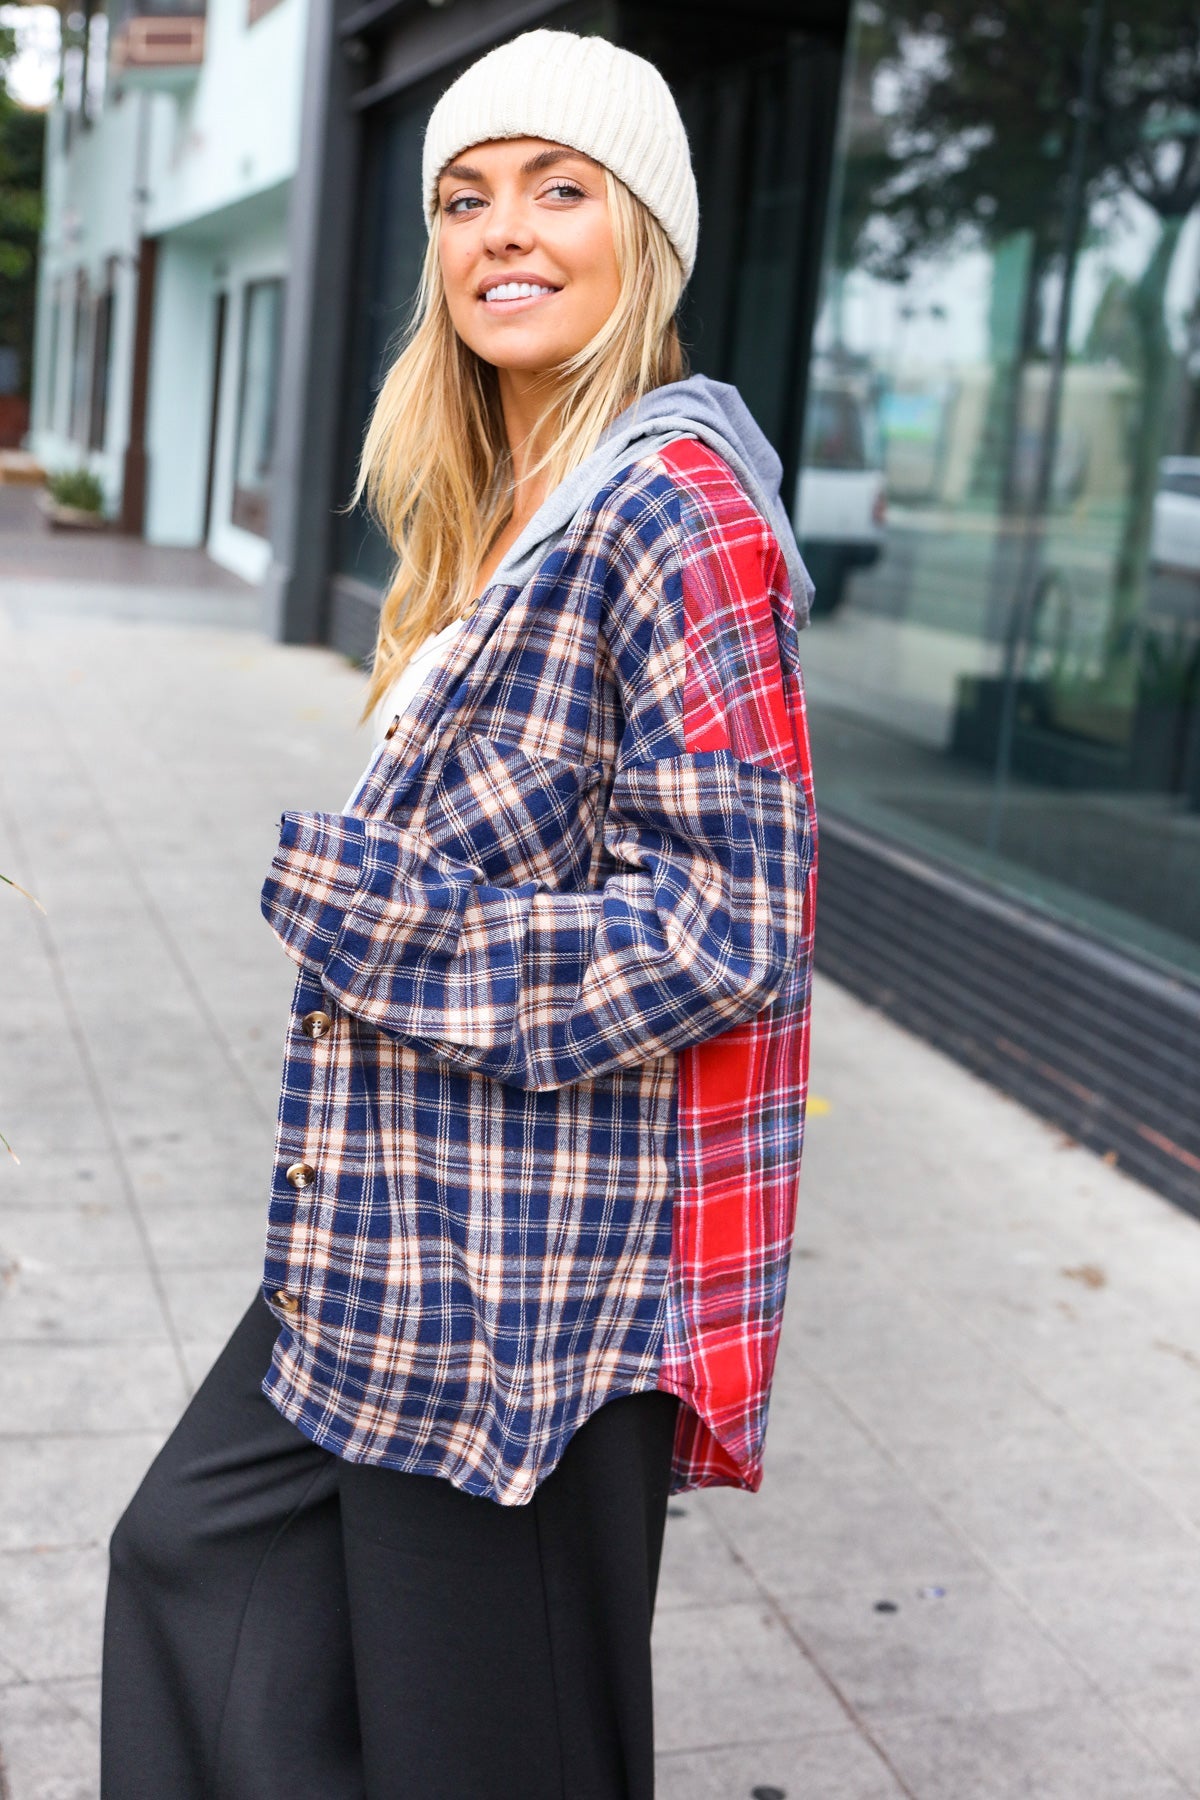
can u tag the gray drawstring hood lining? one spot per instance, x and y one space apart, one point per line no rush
710 411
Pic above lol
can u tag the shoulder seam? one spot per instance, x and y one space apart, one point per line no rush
679 478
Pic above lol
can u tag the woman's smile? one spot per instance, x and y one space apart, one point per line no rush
503 294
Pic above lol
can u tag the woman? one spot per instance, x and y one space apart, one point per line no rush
543 1090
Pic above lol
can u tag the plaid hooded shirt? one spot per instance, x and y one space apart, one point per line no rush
543 1093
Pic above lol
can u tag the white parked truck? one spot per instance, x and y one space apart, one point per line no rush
1175 536
841 504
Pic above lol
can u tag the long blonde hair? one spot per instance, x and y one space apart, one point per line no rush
435 462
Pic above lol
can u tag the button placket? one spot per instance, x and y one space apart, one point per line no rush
316 1024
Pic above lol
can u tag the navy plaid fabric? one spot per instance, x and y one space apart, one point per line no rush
545 889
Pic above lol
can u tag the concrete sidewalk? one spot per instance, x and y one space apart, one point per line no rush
973 1572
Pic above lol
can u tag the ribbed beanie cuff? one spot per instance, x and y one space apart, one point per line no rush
583 92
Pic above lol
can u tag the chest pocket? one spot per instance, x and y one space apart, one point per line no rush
514 815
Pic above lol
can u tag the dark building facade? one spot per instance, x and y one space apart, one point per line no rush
952 261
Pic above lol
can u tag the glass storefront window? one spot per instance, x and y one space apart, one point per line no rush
391 239
262 332
1000 483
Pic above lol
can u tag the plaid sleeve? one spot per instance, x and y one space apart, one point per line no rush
695 930
330 865
695 934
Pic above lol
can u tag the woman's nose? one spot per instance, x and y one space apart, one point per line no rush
508 227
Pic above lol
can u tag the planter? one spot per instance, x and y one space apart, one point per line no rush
1041 751
1190 781
1158 740
979 709
70 518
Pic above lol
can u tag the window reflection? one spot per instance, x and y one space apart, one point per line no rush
1011 303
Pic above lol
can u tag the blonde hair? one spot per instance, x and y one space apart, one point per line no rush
435 462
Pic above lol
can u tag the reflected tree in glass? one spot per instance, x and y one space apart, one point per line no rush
968 136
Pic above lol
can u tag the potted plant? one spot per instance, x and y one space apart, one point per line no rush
74 499
1190 779
1060 710
1168 686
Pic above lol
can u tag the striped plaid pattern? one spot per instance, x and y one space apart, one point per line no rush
741 1094
547 1134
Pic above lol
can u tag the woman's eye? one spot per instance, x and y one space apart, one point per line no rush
463 202
565 190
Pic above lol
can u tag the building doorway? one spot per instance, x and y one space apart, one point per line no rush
220 308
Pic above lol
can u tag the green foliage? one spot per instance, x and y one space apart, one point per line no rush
22 135
1169 666
965 129
962 123
76 487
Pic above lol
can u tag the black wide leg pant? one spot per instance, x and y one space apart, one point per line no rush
282 1623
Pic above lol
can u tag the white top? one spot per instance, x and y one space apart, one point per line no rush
424 660
427 656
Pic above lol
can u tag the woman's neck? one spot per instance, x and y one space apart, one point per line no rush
523 399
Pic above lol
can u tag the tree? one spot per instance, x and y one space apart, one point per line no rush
22 135
980 138
1149 132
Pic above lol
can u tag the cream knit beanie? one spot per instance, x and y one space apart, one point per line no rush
583 92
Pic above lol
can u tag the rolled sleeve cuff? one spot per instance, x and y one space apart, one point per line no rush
312 880
338 885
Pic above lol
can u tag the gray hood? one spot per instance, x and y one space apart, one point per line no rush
710 411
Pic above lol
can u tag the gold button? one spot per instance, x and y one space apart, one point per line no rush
317 1024
287 1303
302 1175
393 728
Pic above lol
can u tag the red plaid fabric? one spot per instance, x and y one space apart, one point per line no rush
741 1094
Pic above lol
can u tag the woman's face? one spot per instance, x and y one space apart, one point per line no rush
527 254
